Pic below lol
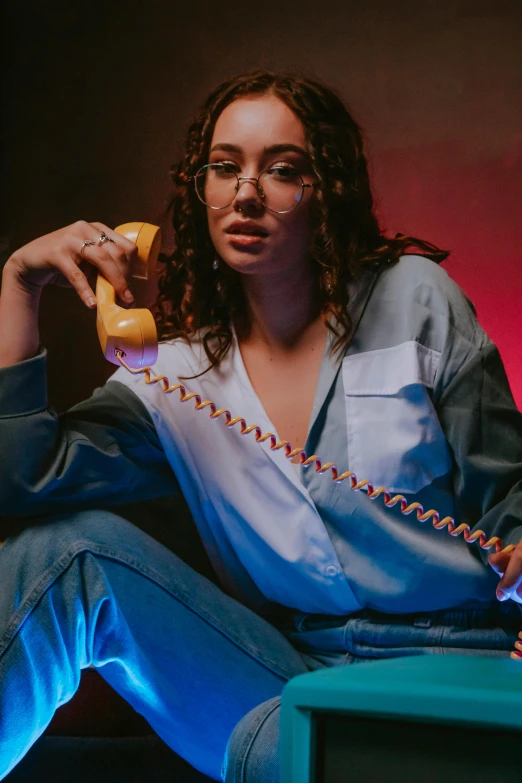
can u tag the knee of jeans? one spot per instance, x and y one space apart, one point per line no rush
46 538
252 754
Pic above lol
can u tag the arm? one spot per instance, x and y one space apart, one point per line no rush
18 319
104 451
484 430
55 259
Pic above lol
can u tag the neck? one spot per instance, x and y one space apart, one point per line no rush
279 311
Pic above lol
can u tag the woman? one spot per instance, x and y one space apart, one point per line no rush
283 303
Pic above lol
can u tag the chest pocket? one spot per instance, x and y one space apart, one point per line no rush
394 436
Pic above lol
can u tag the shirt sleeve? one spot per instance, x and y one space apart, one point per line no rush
484 430
102 452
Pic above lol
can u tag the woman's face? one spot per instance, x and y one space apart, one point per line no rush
253 134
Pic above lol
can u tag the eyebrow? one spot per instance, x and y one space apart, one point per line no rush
273 149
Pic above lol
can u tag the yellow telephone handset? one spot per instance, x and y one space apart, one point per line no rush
131 332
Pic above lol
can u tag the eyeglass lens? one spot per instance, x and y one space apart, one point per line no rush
280 187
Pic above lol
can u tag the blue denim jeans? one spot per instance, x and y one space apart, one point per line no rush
89 588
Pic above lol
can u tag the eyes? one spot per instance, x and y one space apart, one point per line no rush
225 169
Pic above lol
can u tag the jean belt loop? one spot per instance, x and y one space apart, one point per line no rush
422 621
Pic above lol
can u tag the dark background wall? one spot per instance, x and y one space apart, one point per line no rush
99 96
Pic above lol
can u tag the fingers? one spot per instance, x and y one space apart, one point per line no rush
124 244
69 256
511 583
112 259
113 266
499 562
66 266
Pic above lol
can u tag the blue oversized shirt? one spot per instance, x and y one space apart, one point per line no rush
418 403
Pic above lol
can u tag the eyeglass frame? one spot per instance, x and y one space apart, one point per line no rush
304 185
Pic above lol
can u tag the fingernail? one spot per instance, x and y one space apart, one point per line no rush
128 296
501 595
91 301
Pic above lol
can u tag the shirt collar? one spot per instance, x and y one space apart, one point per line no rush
241 393
359 293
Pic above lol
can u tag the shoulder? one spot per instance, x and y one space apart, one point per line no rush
416 300
426 293
182 356
419 279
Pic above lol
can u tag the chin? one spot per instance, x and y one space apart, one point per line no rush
245 260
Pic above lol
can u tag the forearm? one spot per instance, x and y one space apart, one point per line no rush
101 452
484 430
19 334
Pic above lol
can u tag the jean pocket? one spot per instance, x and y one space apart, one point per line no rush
394 435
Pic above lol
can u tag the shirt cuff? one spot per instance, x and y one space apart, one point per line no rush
23 387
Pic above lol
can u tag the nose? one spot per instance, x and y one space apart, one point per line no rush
247 196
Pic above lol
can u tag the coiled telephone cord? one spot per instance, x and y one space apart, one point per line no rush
406 508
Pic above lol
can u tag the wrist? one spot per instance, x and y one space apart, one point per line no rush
13 280
19 305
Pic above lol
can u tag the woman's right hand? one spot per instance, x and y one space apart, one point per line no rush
58 259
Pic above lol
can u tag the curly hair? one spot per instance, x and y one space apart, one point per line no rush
346 238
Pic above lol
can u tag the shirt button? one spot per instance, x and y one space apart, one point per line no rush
331 570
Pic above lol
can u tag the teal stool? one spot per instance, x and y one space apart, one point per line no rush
429 718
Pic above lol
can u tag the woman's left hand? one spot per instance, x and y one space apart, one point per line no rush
509 566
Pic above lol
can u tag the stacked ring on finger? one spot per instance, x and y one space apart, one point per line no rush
85 243
104 238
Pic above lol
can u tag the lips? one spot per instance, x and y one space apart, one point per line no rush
246 228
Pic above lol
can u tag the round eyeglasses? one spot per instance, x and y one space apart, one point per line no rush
280 188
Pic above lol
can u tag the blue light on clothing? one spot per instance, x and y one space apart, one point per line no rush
419 398
206 672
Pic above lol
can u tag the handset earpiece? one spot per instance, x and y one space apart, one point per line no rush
132 332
